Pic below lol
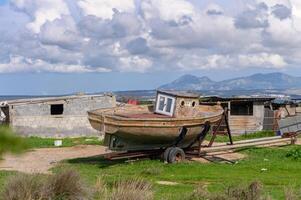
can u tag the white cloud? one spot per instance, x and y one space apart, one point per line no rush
21 64
41 11
262 59
145 35
134 64
167 9
218 61
105 8
296 9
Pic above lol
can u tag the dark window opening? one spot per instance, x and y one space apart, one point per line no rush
57 109
242 108
182 103
193 104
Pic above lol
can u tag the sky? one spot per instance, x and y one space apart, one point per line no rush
64 46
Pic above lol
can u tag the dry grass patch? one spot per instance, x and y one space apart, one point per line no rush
65 185
132 190
292 194
23 187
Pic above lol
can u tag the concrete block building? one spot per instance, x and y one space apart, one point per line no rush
54 116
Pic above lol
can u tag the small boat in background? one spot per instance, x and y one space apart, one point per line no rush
150 127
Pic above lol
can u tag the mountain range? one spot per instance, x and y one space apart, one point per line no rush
254 82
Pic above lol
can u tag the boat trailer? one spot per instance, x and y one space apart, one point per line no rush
197 148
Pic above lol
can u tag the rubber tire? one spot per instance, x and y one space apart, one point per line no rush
166 154
176 154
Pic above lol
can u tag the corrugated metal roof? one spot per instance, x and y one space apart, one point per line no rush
238 98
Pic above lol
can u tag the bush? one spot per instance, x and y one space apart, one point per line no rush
132 190
23 187
65 185
294 153
250 192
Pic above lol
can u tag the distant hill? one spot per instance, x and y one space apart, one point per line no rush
254 82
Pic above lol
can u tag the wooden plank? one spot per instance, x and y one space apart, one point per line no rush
229 147
258 140
251 140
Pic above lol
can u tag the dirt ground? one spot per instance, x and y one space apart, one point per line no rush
41 160
222 156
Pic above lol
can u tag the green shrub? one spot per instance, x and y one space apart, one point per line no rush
294 153
9 142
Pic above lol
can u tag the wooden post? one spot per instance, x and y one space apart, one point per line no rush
228 126
293 140
207 127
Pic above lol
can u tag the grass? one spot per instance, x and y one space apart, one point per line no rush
270 166
37 142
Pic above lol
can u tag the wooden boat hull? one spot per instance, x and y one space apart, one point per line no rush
124 134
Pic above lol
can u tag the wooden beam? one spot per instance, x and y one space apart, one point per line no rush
235 146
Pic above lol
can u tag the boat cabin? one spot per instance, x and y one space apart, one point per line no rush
175 103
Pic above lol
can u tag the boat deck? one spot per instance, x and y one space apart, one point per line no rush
142 115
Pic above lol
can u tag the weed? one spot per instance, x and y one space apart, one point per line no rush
153 171
101 189
291 194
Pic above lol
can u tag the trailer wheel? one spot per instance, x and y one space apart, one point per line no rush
166 154
176 155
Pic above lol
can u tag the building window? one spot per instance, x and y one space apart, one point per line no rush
165 104
56 109
242 108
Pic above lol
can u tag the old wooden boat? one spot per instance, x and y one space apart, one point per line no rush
146 127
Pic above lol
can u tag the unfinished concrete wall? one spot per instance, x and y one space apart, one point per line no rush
240 124
35 119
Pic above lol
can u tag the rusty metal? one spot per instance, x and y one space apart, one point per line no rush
128 155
